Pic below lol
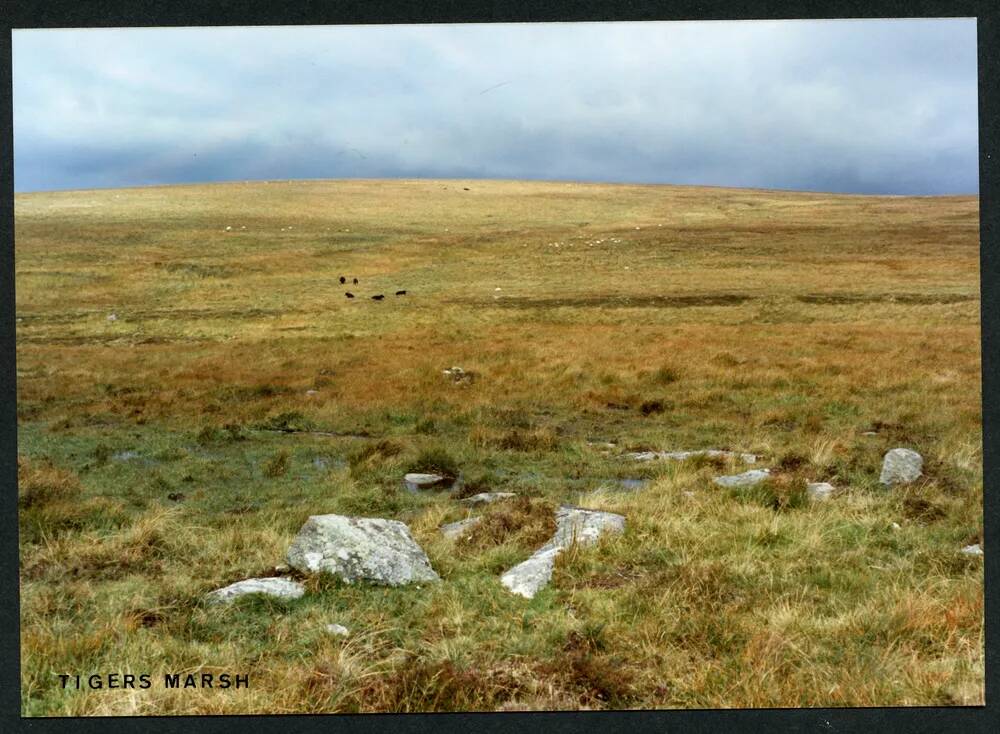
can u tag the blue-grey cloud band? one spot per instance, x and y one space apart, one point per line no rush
885 106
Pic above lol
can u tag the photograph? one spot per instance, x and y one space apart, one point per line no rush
498 367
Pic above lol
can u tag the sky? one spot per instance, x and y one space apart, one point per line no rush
854 106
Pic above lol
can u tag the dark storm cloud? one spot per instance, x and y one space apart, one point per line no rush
855 106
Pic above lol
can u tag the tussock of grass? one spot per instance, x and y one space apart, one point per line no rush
522 522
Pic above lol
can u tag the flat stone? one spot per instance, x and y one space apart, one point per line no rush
338 629
631 484
487 498
819 490
573 525
746 479
360 549
901 466
422 481
973 550
455 530
683 455
272 586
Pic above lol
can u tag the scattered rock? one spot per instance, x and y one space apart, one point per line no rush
601 444
973 550
229 229
337 629
360 549
901 466
458 375
746 479
487 498
896 526
619 485
455 530
312 392
573 525
112 317
276 587
819 490
415 481
682 455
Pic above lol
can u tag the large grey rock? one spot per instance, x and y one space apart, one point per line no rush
273 586
819 491
360 549
573 525
746 479
455 530
901 466
487 498
683 455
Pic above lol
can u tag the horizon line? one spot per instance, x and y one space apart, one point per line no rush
579 182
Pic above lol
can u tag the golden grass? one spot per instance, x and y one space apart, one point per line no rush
168 452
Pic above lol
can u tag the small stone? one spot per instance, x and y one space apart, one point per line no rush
973 550
683 455
487 498
746 479
819 491
896 526
229 229
455 530
901 466
416 481
869 433
312 392
275 587
282 568
337 629
112 317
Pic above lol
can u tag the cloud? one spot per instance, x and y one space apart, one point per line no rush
859 106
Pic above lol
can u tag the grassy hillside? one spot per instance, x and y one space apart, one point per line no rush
179 446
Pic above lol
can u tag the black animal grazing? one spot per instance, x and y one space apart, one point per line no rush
355 281
349 295
379 297
400 293
342 280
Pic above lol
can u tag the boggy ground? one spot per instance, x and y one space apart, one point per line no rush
165 453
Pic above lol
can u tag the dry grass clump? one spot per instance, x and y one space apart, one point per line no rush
277 465
41 483
515 439
524 522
